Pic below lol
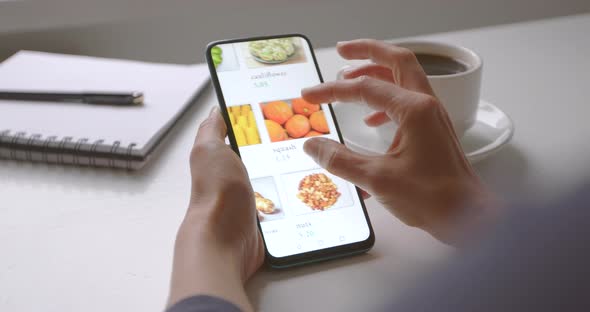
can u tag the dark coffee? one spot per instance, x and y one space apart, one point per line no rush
436 65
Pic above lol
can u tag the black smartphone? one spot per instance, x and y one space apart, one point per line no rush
305 213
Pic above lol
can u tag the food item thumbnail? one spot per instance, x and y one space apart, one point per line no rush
278 111
313 133
318 122
216 55
272 50
263 204
244 125
297 126
275 131
297 119
318 191
303 107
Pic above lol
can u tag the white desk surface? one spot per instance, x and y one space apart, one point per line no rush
83 239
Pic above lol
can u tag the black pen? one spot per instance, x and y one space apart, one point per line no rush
119 99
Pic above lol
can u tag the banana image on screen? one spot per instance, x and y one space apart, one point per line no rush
244 125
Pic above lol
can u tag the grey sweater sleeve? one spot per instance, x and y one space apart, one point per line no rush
203 303
536 259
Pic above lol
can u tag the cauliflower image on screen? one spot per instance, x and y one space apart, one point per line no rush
272 50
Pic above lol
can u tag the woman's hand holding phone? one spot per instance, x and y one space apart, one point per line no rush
218 246
424 178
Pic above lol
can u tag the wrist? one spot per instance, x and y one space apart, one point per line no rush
465 213
205 265
198 236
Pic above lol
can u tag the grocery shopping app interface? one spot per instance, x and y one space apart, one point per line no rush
301 207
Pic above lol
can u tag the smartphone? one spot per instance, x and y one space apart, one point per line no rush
305 213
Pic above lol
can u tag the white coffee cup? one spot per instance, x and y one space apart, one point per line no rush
459 93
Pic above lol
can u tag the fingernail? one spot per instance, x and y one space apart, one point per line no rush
306 90
339 43
346 71
214 110
367 120
311 146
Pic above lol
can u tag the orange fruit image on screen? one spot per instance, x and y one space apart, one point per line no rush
275 131
318 122
297 126
277 111
313 133
303 107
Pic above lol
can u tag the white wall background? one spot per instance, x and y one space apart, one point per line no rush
177 31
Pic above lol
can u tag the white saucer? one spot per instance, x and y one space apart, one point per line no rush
491 131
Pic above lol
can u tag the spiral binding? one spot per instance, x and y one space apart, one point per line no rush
15 138
46 143
77 147
93 151
114 148
3 134
60 148
129 151
28 153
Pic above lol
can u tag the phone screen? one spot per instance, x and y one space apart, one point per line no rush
301 207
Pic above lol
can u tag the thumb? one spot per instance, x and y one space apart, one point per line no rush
338 159
212 129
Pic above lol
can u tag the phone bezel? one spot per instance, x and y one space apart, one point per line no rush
311 256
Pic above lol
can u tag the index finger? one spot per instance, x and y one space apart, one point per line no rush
407 72
212 129
377 94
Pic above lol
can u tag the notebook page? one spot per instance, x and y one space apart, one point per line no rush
166 87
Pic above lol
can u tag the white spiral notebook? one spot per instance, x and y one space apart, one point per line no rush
94 135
